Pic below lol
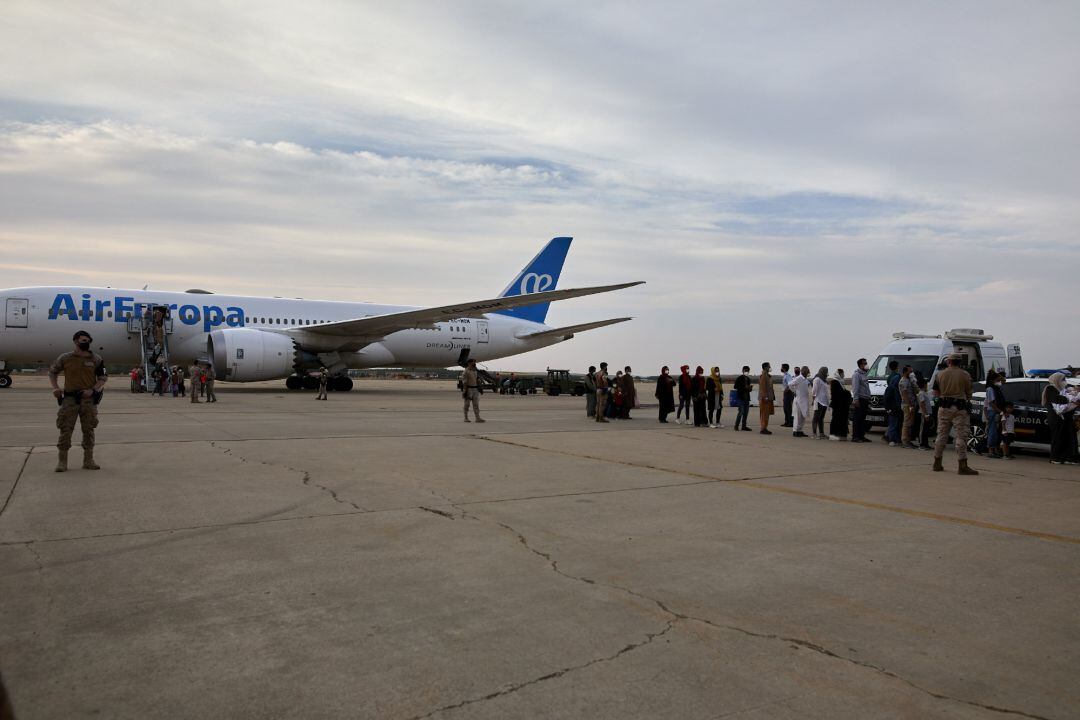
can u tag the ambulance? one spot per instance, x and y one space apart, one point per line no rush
925 353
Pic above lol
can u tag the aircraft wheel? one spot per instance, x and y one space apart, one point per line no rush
342 383
5 381
310 382
293 382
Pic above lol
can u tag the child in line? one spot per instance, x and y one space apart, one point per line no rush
926 412
1008 431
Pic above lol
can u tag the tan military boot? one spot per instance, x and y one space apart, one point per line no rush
938 467
965 470
61 462
88 461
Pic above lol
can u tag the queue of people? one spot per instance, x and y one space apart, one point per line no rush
174 381
697 399
610 397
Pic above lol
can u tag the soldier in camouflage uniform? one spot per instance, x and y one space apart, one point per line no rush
470 391
196 384
84 378
954 387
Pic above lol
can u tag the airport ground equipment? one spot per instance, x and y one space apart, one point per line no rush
561 382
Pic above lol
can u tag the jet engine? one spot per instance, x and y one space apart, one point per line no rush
247 355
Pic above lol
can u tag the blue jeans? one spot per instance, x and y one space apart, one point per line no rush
684 403
993 430
893 431
744 411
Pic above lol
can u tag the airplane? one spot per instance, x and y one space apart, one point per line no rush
250 339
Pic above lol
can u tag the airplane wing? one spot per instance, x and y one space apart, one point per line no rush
567 332
374 327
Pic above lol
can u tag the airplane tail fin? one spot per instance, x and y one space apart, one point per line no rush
542 273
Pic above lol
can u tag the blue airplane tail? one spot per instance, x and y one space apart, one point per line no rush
542 273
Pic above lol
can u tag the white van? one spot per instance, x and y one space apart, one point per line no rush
925 353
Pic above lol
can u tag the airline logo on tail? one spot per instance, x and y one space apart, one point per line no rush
541 274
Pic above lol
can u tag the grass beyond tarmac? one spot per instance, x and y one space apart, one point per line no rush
373 556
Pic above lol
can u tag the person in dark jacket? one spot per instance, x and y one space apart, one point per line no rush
665 393
994 407
697 396
891 400
743 386
684 395
840 402
1060 411
714 397
629 391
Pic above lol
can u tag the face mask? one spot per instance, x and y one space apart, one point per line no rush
746 374
84 344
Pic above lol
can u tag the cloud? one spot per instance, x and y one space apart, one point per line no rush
783 176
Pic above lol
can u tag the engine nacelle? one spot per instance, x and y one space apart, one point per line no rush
247 355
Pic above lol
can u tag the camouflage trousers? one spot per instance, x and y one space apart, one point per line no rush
959 421
472 396
85 411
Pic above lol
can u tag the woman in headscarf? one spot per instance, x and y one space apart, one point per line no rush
665 393
697 395
1060 412
820 390
684 395
840 402
629 393
714 396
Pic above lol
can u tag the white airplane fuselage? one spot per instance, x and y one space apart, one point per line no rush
39 323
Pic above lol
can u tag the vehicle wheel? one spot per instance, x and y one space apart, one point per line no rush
977 441
342 383
293 382
554 391
310 382
5 381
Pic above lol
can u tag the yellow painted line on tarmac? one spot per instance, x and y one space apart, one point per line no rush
757 485
915 513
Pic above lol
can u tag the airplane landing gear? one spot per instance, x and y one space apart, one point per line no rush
5 381
293 382
341 383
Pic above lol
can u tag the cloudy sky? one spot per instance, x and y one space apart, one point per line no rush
795 181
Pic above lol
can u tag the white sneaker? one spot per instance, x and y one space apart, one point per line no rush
721 426
713 427
678 421
892 444
834 438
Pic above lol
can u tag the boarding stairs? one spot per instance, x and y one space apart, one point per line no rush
151 351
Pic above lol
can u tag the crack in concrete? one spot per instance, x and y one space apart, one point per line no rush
756 482
513 688
18 477
677 616
441 513
820 649
305 476
37 558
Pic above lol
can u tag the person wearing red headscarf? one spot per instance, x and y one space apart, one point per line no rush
684 395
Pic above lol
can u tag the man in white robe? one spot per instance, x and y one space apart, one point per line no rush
800 385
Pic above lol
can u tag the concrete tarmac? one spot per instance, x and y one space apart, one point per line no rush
373 556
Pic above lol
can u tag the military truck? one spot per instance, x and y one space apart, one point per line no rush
561 382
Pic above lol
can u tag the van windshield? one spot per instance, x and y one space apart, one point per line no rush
924 365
